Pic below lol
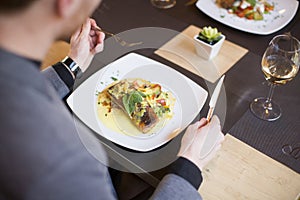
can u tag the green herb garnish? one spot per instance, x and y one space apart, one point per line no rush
113 78
252 2
130 100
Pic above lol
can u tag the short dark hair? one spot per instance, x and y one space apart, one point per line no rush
7 6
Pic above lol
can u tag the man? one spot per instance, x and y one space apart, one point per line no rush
41 154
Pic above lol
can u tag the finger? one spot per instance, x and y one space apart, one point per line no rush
97 39
215 150
86 28
76 34
221 138
101 37
98 48
202 122
100 34
94 26
190 133
192 127
211 154
98 43
215 120
93 22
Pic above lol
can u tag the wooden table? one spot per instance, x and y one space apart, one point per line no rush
241 172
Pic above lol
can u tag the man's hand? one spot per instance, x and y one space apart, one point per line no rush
85 43
194 138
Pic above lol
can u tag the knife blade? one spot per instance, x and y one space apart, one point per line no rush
214 98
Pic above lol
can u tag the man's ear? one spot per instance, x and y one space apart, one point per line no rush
66 8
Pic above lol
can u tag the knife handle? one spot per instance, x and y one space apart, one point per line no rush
209 114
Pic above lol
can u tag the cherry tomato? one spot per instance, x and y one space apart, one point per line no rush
240 14
161 102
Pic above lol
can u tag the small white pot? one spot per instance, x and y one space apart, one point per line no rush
206 50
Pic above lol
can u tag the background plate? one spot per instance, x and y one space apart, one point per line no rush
191 98
283 13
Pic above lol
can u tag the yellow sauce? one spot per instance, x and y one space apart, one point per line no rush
119 122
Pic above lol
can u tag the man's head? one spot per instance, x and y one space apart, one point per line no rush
72 12
7 6
37 23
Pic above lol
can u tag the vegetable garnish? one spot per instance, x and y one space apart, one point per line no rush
145 103
249 9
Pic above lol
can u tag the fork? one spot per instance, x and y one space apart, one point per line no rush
117 38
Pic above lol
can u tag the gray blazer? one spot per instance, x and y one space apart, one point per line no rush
41 154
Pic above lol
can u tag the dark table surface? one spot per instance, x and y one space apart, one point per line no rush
244 81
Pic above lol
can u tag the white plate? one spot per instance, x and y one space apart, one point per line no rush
283 13
190 99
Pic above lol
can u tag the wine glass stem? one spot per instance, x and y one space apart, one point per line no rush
268 104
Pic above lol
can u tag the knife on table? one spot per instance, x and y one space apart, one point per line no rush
212 137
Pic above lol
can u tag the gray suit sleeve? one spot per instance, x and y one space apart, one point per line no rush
173 187
77 175
58 84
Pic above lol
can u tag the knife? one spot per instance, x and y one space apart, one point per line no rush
212 136
214 98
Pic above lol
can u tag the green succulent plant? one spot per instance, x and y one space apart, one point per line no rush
210 35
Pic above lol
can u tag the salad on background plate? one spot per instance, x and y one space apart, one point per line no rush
249 9
261 17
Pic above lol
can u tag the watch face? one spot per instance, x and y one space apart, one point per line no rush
73 66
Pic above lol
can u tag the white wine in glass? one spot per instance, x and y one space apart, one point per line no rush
278 69
164 4
280 64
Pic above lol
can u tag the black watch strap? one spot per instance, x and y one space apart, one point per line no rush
73 66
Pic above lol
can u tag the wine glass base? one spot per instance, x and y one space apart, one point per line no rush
260 109
164 4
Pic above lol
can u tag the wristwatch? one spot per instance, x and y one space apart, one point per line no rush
72 66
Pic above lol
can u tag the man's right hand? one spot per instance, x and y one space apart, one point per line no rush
194 139
86 43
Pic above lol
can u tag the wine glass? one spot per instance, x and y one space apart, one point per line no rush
280 64
163 3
